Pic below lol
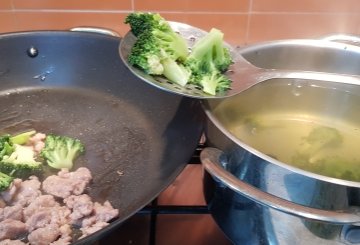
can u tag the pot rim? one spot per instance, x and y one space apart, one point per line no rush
269 159
318 43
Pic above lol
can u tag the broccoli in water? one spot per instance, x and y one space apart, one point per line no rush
311 155
207 61
157 47
5 181
319 138
61 151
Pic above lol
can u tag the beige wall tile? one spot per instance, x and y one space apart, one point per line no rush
193 5
282 26
5 5
268 20
73 4
335 6
233 25
65 21
7 22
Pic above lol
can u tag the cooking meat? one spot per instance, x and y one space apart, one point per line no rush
45 235
11 242
37 141
38 220
81 206
81 174
12 212
46 220
60 215
2 202
67 183
27 191
61 241
65 237
11 229
105 212
45 211
9 194
90 216
43 201
57 215
93 228
101 214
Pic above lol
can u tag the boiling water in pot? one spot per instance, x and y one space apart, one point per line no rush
307 143
315 130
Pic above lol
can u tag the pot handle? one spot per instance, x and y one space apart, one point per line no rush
96 30
210 158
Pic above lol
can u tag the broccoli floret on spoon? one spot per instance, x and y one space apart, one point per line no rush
160 51
207 61
158 47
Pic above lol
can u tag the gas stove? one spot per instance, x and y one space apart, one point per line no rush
178 215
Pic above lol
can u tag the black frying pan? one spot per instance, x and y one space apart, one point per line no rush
137 138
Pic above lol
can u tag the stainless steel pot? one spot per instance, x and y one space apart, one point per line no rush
257 199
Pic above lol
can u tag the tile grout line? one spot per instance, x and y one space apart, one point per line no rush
248 21
12 5
115 11
304 13
249 11
15 17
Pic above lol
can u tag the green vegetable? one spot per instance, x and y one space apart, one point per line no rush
319 138
17 160
5 181
140 22
22 138
21 162
157 47
312 155
213 82
175 72
6 147
61 151
208 60
209 53
159 50
155 28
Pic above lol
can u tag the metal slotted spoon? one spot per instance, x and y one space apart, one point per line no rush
242 73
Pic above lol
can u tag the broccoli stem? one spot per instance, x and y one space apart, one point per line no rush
175 72
22 138
206 44
172 43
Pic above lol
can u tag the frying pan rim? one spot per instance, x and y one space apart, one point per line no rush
177 170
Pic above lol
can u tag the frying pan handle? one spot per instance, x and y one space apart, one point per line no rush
210 158
343 38
96 30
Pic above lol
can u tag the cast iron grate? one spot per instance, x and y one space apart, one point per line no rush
153 209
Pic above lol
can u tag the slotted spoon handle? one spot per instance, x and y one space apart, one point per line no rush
245 75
